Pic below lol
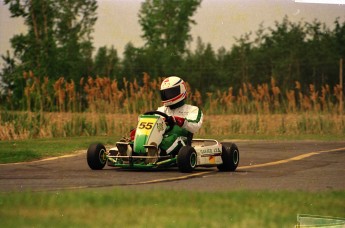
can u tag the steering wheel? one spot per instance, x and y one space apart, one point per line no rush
171 124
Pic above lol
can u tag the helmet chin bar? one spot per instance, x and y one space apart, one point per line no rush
177 105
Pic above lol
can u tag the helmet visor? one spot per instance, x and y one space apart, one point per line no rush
168 94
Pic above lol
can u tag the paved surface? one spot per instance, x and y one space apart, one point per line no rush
307 165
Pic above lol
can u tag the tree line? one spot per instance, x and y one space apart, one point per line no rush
59 44
288 52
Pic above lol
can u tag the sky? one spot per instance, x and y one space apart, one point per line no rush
218 21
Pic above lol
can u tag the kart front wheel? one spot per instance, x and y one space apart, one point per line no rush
96 156
230 157
186 159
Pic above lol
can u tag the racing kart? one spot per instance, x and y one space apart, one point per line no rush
144 152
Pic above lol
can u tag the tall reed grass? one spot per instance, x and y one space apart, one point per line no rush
104 95
23 125
104 106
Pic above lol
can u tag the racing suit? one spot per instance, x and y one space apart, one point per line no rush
189 120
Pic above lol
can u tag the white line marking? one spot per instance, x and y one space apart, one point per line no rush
297 158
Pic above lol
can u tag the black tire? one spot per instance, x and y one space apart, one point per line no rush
96 158
230 157
186 159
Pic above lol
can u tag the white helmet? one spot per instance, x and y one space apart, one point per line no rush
173 90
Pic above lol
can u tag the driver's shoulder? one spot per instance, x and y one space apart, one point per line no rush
161 109
190 107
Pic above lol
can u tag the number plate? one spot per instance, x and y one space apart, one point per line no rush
145 126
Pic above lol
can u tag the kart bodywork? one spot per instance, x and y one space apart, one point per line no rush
144 152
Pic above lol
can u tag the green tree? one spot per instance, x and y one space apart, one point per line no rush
320 54
74 25
166 29
35 48
339 36
106 62
134 62
285 46
58 41
240 55
201 68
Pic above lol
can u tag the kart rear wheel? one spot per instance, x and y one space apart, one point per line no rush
186 159
230 157
96 156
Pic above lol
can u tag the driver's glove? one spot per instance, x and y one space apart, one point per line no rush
179 120
132 134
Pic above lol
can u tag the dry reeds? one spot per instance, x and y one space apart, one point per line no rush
14 126
103 95
104 106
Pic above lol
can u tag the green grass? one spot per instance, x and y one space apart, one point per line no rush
112 207
161 208
33 149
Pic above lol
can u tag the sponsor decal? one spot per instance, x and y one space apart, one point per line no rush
206 151
212 160
160 127
211 151
166 83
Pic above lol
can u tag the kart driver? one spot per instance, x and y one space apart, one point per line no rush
187 119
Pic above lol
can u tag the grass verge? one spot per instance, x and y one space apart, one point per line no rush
33 149
158 208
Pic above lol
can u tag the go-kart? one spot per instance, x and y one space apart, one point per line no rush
144 151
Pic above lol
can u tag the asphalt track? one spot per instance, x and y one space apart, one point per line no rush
264 165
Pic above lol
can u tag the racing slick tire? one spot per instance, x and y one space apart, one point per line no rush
230 157
96 156
186 159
